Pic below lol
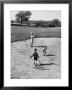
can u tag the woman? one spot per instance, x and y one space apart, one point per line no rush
32 39
36 56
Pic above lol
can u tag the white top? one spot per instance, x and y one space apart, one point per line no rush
32 36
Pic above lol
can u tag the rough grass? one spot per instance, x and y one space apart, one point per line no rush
19 33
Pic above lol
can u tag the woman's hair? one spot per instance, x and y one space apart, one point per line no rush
35 49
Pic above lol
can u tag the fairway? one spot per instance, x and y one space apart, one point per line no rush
20 33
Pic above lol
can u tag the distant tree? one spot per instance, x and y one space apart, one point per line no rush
56 22
45 23
39 23
12 21
23 16
60 24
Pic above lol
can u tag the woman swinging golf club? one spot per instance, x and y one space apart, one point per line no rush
36 56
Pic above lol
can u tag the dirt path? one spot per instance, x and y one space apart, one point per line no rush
22 66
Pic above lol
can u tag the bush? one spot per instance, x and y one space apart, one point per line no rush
53 23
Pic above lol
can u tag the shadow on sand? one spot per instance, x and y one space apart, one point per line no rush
39 46
43 64
49 55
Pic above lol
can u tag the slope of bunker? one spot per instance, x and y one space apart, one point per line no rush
22 67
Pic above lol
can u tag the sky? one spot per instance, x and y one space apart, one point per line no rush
40 15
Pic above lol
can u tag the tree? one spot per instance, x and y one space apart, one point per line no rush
56 22
23 16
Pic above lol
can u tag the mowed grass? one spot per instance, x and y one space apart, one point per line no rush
19 33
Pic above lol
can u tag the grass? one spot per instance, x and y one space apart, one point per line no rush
19 33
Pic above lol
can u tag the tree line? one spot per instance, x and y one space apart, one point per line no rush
23 18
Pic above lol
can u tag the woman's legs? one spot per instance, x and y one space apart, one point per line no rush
32 42
39 61
35 62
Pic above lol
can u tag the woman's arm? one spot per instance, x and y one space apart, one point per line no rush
31 56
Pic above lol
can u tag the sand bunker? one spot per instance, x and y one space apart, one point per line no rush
22 67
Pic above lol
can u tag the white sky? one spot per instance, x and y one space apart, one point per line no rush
40 15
